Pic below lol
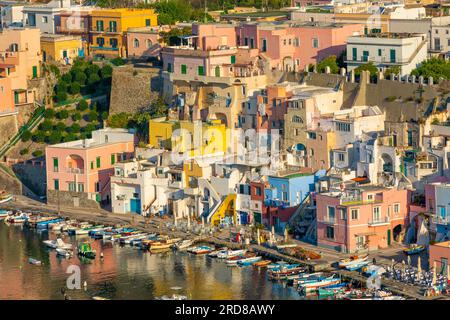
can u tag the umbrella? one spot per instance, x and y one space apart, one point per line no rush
448 273
419 267
258 239
189 221
434 274
409 260
285 235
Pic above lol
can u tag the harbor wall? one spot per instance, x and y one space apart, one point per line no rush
71 199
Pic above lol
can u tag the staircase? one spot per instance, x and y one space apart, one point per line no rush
303 221
226 207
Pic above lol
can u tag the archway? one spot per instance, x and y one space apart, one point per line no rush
288 64
387 163
74 161
397 231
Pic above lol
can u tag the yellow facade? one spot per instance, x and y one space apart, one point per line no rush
56 48
109 27
194 138
226 209
192 170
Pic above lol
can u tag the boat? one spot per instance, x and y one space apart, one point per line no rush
63 252
173 297
414 249
307 277
50 243
356 265
4 213
213 254
34 261
183 244
85 250
332 290
234 260
5 197
18 218
321 282
352 260
248 261
200 250
226 254
159 246
283 272
279 264
262 263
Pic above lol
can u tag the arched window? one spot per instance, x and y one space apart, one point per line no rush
149 43
136 43
297 119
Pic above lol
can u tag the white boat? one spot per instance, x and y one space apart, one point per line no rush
140 236
5 198
248 261
62 245
56 227
352 260
18 218
5 213
51 243
63 252
325 282
226 254
184 244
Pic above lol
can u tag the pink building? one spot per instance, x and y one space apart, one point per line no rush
20 60
293 46
143 42
440 254
6 94
78 172
363 218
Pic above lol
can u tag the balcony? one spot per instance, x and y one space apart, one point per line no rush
379 222
329 220
75 170
440 220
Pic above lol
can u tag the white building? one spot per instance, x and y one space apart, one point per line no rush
11 15
45 17
386 50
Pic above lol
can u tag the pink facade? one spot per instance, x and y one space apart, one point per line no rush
86 166
6 96
439 254
213 36
369 220
143 42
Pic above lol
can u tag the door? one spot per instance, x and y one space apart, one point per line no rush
34 71
44 56
135 205
64 54
389 237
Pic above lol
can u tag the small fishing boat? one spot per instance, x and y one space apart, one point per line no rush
5 197
331 290
85 250
213 254
34 261
414 249
279 264
226 254
307 277
183 244
356 265
352 260
63 252
322 282
51 243
248 261
159 246
18 218
234 260
283 272
262 263
200 250
4 213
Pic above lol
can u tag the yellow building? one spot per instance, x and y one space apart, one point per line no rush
58 47
194 138
109 27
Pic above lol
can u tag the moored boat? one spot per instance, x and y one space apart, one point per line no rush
85 250
63 252
4 213
226 254
5 197
248 261
18 218
200 250
356 265
34 261
262 263
183 244
352 260
321 282
414 249
234 260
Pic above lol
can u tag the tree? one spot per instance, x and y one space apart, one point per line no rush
328 62
119 120
55 137
172 11
93 79
70 137
49 114
67 77
23 151
38 153
76 116
395 70
46 125
435 68
158 108
75 128
106 71
92 69
39 136
61 86
93 115
61 96
89 128
75 88
171 37
63 114
82 105
104 115
26 136
60 126
80 77
367 67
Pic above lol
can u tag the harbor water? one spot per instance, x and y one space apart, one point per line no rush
124 272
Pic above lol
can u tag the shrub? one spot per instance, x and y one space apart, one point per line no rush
62 86
70 137
39 136
93 79
104 115
82 105
63 114
93 106
391 98
55 137
119 120
26 136
88 128
106 71
80 77
60 126
118 61
75 128
93 115
46 125
67 77
23 151
75 88
61 96
49 113
38 153
76 116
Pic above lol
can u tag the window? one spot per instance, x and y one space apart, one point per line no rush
149 43
341 157
360 241
72 187
136 43
252 44
284 196
297 42
183 69
97 186
258 191
113 26
376 214
342 126
98 162
396 208
331 213
330 232
312 135
44 19
264 45
245 41
169 67
379 52
233 59
392 55
370 197
99 25
148 22
113 42
100 41
343 214
284 42
136 195
315 42
365 56
355 214
56 184
354 54
80 187
113 158
201 71
92 165
55 165
442 212
297 119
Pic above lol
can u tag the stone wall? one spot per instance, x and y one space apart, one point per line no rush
134 88
68 199
8 128
9 184
33 176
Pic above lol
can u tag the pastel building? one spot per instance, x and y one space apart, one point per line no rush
61 48
361 218
11 14
109 27
20 59
439 254
385 50
78 172
295 45
438 206
45 17
6 95
143 42
76 21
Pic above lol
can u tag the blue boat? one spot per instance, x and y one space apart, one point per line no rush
34 261
44 224
357 266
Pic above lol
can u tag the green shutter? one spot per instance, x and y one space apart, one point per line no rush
355 53
201 71
16 97
183 69
113 158
92 164
169 67
56 184
98 162
34 72
233 59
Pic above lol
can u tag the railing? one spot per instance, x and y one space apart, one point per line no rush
376 222
75 170
329 220
439 220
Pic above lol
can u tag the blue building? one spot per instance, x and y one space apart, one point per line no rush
442 218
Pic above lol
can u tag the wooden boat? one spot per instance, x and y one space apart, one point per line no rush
323 282
234 260
356 265
414 249
352 260
226 254
159 246
34 261
200 250
278 264
248 261
63 252
5 213
213 254
283 273
18 218
5 197
183 244
85 250
262 263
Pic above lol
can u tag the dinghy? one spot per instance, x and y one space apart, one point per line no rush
414 249
352 260
183 244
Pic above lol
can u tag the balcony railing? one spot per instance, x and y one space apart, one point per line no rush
329 220
75 170
379 222
439 220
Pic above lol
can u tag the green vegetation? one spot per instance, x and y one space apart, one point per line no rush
38 153
23 151
328 62
435 68
26 136
395 70
171 37
367 67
